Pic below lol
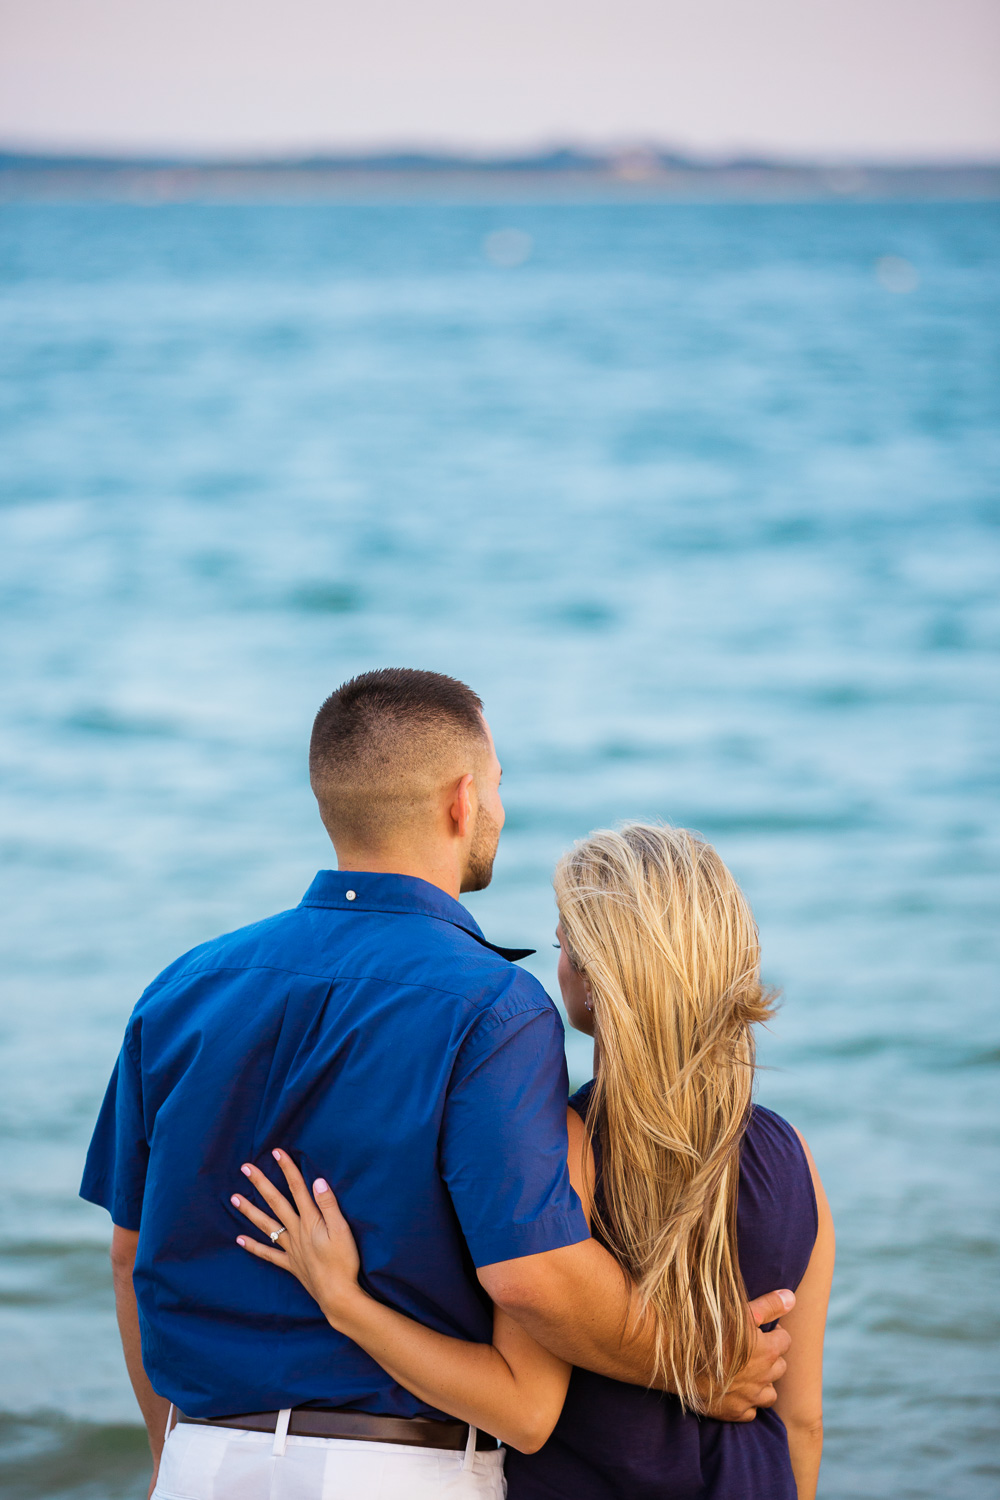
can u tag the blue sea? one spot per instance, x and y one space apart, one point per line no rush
702 498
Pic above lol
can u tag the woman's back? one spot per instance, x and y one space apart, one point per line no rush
622 1442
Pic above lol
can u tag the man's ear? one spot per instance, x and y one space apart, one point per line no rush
464 804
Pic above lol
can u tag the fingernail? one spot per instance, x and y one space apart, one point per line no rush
276 1155
321 1186
245 1170
788 1300
241 1241
235 1200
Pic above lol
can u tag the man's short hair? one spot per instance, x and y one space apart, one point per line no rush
385 743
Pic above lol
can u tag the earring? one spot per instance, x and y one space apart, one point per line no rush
588 1005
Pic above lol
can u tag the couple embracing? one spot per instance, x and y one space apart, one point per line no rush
363 1249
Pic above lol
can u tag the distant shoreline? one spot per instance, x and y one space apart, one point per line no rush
564 174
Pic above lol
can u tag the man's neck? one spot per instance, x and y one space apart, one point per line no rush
441 873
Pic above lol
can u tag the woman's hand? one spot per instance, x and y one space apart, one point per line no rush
512 1387
315 1245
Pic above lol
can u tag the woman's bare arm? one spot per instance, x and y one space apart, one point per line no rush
800 1391
514 1389
511 1388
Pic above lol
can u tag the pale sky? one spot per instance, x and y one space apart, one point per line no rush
894 79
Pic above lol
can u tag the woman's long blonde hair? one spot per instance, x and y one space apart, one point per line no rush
669 946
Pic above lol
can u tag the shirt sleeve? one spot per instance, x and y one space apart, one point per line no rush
504 1144
115 1174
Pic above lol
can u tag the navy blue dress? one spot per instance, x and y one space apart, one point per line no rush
623 1442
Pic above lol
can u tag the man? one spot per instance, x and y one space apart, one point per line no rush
376 1032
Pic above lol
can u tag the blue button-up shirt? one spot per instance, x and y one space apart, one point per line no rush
374 1034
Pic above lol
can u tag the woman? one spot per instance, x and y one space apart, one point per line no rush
704 1198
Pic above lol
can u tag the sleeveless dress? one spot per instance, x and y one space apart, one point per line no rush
623 1442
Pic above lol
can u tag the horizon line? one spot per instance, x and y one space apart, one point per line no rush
637 158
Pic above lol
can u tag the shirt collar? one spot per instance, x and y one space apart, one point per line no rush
407 895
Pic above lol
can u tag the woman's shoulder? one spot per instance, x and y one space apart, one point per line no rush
773 1140
767 1126
580 1101
774 1162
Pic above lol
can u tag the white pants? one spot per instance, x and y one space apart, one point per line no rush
225 1463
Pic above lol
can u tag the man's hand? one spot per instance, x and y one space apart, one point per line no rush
576 1301
754 1385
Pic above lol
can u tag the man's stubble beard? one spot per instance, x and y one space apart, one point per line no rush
485 838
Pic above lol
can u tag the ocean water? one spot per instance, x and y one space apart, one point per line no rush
702 499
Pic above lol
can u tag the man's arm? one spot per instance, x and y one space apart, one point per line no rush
154 1408
578 1303
503 1159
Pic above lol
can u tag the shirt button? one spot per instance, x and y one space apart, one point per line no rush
351 895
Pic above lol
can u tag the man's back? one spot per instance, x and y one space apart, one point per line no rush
374 1034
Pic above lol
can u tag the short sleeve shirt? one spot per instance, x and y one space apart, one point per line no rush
374 1034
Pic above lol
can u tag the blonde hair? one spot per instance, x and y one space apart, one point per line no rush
669 946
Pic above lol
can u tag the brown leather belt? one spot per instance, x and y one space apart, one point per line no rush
415 1432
